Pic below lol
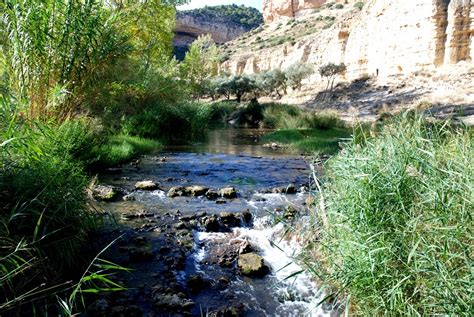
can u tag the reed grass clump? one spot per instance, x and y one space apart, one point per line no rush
400 205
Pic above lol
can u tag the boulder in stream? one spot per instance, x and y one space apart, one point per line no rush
197 283
229 219
212 194
104 193
252 264
228 192
176 191
146 185
196 190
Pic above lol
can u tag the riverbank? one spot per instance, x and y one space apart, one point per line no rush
394 220
195 236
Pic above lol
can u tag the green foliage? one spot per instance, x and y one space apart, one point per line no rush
331 71
359 5
309 140
44 218
59 50
121 148
281 116
296 73
221 110
200 63
400 221
248 17
53 48
273 81
170 122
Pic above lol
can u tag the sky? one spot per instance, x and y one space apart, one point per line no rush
193 4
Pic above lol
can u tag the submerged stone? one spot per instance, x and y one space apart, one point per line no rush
197 283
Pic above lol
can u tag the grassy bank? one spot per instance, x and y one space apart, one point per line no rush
399 207
307 132
309 140
121 148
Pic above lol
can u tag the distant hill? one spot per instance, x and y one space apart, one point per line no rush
248 17
223 23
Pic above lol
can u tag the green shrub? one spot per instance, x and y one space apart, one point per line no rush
121 148
44 220
313 141
221 111
170 123
359 5
280 116
400 221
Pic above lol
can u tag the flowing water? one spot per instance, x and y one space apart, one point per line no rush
179 267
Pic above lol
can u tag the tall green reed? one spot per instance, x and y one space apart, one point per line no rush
400 205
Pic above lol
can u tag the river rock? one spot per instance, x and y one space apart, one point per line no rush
197 283
247 215
146 185
228 192
229 220
104 193
173 302
196 190
211 224
252 264
176 191
290 212
141 254
129 197
232 311
212 194
291 189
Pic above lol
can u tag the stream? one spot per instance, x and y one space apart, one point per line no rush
185 251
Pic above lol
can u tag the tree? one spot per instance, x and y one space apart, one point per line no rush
296 73
331 71
240 85
200 64
272 82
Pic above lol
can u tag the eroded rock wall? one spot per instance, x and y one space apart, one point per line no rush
274 10
387 38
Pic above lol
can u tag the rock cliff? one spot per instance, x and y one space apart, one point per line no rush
384 39
223 23
274 10
387 40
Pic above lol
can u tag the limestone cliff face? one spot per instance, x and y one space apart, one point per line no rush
190 26
221 30
276 9
386 38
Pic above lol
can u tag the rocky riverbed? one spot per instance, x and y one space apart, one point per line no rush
205 234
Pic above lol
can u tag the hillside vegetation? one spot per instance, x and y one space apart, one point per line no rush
248 17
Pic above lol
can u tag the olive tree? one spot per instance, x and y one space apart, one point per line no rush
331 71
296 73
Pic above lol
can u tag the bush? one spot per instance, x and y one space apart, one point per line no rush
121 148
44 220
296 73
222 110
170 123
400 222
279 116
359 5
